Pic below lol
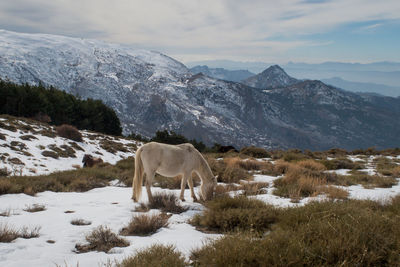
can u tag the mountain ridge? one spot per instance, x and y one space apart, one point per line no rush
150 91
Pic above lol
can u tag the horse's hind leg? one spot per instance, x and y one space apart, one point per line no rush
190 182
183 185
149 181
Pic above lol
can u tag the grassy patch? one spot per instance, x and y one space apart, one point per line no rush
227 214
156 255
144 224
69 181
387 167
101 239
350 233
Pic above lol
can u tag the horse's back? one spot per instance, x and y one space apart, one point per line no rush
168 159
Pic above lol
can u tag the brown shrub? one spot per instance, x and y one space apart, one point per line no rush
69 132
226 214
144 224
101 239
299 182
166 202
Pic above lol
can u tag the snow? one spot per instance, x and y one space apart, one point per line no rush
110 206
340 171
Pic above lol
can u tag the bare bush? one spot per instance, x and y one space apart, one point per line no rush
69 132
101 239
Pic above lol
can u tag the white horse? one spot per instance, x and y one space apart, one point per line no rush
171 161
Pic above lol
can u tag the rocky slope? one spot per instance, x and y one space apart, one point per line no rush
150 91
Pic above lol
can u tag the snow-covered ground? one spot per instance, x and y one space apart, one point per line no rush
110 206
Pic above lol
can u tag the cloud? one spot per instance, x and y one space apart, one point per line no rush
185 29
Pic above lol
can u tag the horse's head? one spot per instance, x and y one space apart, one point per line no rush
207 190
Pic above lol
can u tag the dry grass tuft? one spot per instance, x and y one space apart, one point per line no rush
311 165
80 222
144 224
101 239
8 234
35 208
156 255
334 192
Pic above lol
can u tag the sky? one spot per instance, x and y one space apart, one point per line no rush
310 31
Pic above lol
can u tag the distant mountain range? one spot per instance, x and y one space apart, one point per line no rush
150 91
371 74
223 74
363 87
248 78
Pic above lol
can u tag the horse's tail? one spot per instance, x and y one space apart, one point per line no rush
138 178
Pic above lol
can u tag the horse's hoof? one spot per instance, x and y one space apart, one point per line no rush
195 200
183 200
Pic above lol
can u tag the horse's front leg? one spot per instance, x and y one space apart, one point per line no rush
183 185
190 182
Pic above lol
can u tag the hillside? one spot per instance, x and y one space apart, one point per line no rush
150 91
28 147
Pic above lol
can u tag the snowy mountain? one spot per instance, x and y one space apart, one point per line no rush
222 74
150 91
272 77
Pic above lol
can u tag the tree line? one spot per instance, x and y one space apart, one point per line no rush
57 107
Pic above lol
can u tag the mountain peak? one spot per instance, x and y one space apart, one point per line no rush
272 77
